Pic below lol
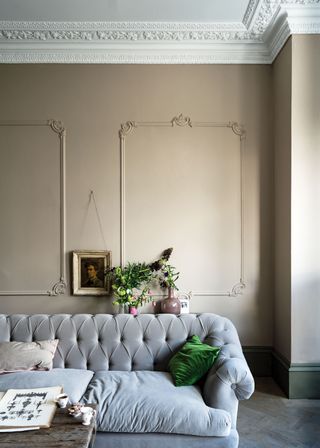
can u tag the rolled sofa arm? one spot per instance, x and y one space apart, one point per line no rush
228 382
235 373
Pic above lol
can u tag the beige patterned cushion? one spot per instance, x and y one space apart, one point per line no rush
27 355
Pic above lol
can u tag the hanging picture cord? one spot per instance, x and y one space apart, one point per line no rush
93 199
92 196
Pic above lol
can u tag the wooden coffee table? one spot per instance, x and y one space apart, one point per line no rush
65 432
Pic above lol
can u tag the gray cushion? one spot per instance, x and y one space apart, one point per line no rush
74 381
35 355
145 401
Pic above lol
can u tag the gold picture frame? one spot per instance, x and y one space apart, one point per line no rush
89 272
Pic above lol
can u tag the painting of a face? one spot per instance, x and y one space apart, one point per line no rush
92 270
89 272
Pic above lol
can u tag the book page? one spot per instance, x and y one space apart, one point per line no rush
28 407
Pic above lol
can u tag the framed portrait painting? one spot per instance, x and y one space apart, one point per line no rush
89 268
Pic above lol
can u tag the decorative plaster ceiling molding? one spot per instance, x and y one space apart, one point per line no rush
278 37
138 55
266 26
305 21
250 13
121 26
122 31
292 21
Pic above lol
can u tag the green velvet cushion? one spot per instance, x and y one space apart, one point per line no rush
192 361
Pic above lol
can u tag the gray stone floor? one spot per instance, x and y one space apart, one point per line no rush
270 420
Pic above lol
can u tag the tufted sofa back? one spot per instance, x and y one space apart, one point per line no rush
118 342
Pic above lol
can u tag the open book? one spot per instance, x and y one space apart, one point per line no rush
28 408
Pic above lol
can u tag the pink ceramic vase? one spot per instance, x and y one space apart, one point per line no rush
133 310
171 304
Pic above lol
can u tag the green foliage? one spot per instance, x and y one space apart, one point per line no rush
168 276
130 284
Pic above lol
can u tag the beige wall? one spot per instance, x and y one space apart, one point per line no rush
92 101
296 75
282 199
305 199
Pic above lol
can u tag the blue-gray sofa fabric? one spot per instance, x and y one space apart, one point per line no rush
120 362
144 401
74 381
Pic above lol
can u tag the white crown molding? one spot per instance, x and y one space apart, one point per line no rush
139 54
291 21
122 26
303 21
257 40
278 37
250 13
122 31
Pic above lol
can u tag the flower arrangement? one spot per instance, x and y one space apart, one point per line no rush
166 273
168 276
130 284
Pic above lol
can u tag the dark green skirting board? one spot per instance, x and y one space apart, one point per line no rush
296 380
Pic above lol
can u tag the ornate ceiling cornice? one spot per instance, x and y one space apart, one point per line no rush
266 26
122 31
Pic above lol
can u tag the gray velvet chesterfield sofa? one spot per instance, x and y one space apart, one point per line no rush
120 362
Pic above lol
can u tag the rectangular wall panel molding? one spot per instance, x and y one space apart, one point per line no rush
196 172
32 200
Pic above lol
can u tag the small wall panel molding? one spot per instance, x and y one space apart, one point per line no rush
58 286
183 121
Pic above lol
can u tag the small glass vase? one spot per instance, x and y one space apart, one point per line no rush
171 304
123 308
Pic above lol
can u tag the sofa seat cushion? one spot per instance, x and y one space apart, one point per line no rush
148 402
73 381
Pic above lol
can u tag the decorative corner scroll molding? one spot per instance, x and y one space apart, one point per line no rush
186 295
126 128
237 289
185 121
181 120
57 127
238 129
60 286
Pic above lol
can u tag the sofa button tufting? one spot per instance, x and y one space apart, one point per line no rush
133 353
